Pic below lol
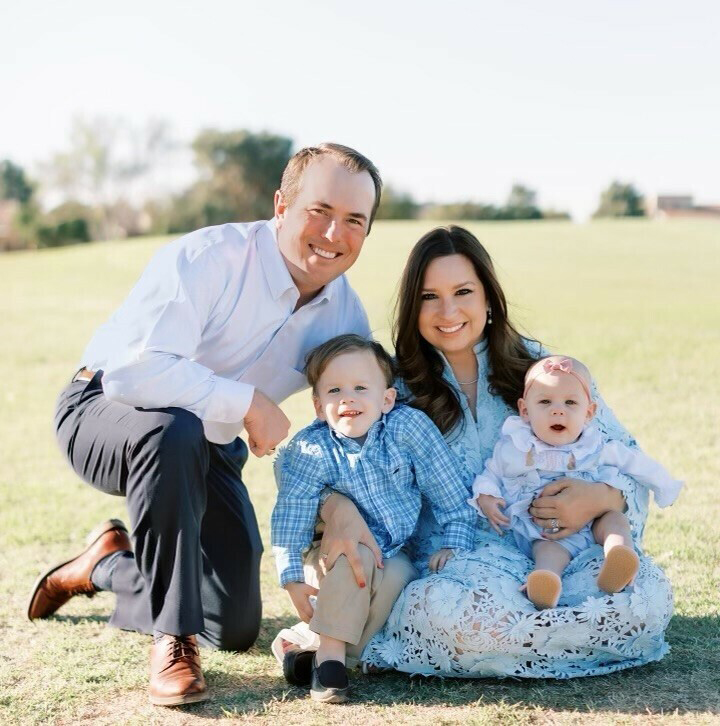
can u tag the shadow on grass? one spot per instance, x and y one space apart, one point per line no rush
686 681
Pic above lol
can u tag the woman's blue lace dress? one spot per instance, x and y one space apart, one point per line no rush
471 620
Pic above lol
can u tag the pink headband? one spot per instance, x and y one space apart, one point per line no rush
564 365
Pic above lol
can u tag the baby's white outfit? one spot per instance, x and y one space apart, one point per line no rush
522 465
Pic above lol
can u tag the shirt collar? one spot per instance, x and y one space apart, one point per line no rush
276 272
480 346
524 439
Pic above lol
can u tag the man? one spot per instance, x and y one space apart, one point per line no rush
211 338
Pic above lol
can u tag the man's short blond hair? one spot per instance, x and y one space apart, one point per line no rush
352 160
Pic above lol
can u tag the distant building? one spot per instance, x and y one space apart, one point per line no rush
674 206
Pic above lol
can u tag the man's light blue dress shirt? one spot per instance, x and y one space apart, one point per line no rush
213 317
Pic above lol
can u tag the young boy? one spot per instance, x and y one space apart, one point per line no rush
382 457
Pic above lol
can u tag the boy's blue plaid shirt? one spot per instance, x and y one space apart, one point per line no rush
404 456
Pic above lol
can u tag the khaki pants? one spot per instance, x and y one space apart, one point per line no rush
354 614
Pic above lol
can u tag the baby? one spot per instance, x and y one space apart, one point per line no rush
554 437
383 457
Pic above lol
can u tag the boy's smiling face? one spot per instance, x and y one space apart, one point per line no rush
352 393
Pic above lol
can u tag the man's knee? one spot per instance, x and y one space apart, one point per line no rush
236 635
168 438
177 433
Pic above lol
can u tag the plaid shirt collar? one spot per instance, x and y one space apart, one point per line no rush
352 446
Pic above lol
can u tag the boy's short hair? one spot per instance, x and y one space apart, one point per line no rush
318 358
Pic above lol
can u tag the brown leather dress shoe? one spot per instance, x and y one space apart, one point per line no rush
175 674
72 577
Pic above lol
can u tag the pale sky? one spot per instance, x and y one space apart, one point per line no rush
452 100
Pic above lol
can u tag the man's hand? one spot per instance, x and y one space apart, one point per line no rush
492 508
300 595
570 504
265 423
438 559
344 531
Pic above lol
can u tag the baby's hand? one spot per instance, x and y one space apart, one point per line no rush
492 508
438 559
300 595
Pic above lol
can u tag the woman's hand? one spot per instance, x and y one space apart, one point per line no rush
345 529
570 504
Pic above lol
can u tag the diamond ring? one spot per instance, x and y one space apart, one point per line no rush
554 526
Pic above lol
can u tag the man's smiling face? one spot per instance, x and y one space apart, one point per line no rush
321 232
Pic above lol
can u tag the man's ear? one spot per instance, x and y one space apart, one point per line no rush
318 408
389 400
280 206
592 409
522 409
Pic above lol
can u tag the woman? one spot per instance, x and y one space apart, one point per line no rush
462 362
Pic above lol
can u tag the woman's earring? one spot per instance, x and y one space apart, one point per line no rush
489 316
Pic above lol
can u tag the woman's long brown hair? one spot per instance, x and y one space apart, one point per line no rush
419 363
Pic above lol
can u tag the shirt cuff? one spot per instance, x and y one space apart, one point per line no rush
289 566
229 401
481 485
459 535
325 494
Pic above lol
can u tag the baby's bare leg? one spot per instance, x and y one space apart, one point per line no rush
612 531
544 584
550 556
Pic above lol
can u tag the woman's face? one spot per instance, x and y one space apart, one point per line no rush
454 308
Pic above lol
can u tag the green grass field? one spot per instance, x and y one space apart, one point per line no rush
639 302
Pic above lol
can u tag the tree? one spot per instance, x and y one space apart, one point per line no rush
620 200
13 183
521 197
521 204
242 171
397 205
18 209
105 158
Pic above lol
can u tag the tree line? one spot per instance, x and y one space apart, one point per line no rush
104 187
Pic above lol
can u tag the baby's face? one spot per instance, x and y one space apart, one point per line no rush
352 394
557 408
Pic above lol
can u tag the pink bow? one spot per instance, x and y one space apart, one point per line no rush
564 365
